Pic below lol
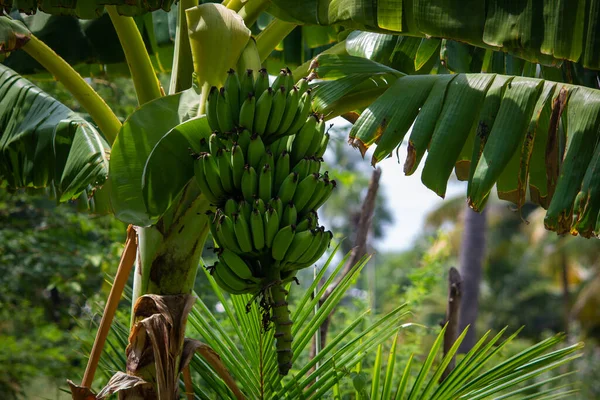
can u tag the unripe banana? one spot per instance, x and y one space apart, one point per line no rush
244 141
262 82
282 242
212 225
232 87
304 108
288 188
323 245
211 108
291 107
278 146
204 146
290 215
315 144
282 168
301 243
265 181
258 230
323 146
225 171
289 79
211 171
242 233
312 249
267 159
280 79
271 225
237 165
263 109
245 209
224 113
224 285
249 183
249 59
230 279
256 151
246 85
304 192
314 166
323 185
325 196
302 85
304 224
259 205
200 175
236 264
231 207
277 110
303 138
226 234
301 169
276 204
214 144
247 112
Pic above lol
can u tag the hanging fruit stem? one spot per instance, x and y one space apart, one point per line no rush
280 316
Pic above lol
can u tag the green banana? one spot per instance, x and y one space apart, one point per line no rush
301 243
277 205
323 245
288 188
315 144
314 166
304 224
237 165
271 225
225 171
216 274
231 207
302 85
224 116
290 215
204 147
246 85
211 108
244 141
325 196
245 209
282 241
262 111
202 182
304 108
232 87
242 233
280 79
267 159
277 110
249 183
282 168
301 168
258 230
259 205
323 146
226 233
262 82
214 144
321 188
249 59
247 112
305 191
212 225
230 279
265 181
256 151
211 171
312 249
303 138
236 264
278 146
289 80
291 107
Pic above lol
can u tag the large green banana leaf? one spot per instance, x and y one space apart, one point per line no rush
86 9
518 133
544 31
45 144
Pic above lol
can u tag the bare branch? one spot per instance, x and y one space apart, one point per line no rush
452 317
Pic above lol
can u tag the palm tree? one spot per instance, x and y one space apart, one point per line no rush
486 123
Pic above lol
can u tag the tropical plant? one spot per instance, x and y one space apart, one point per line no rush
142 172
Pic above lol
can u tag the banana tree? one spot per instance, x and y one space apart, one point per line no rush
141 169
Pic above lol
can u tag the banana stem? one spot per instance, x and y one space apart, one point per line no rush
234 5
100 112
147 86
183 67
302 70
280 316
252 9
127 260
270 37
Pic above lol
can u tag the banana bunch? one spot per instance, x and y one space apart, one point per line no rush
261 169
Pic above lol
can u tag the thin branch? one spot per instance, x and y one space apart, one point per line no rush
127 259
452 317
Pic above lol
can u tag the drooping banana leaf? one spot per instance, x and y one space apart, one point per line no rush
45 144
543 32
498 129
86 9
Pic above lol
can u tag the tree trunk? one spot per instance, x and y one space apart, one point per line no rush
565 291
471 262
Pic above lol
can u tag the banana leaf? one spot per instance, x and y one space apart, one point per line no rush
85 9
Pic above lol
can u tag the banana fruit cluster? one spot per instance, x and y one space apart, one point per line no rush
261 169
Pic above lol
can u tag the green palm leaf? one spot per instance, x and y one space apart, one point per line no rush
540 32
45 144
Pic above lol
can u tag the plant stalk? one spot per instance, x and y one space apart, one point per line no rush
270 37
252 9
183 66
100 112
147 86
